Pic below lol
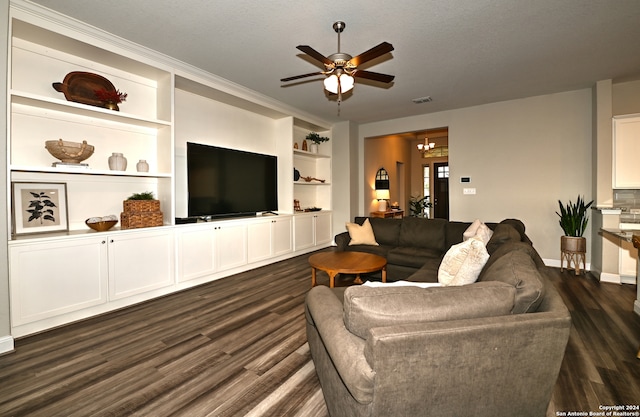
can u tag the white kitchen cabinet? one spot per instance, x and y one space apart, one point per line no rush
207 248
626 149
269 237
231 245
140 262
196 251
628 262
312 229
54 277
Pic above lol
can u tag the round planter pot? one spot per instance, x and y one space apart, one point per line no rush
573 244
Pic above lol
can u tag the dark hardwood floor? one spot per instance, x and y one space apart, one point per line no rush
237 347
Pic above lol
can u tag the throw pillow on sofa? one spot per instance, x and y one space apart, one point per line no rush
361 235
463 262
478 229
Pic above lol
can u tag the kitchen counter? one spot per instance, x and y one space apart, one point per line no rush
632 236
626 234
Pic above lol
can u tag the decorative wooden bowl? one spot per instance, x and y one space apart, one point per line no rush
69 152
102 226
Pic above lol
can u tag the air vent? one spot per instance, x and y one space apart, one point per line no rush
422 100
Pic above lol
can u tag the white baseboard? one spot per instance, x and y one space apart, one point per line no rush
6 344
555 263
608 277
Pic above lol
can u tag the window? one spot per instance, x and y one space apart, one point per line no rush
443 171
426 189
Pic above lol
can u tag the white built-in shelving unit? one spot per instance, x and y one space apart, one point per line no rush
168 104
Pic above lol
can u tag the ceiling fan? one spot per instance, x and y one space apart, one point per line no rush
341 68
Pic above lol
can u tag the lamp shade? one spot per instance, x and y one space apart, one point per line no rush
382 194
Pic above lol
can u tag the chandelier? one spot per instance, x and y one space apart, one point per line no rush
430 150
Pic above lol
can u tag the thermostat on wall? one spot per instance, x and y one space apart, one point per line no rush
465 179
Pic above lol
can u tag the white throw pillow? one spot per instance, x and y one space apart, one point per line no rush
472 230
462 263
361 235
479 230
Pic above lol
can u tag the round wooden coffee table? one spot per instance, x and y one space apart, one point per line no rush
334 263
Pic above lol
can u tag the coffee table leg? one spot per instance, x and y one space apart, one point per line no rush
357 280
384 274
332 278
313 277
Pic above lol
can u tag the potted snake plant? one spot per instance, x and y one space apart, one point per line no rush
573 221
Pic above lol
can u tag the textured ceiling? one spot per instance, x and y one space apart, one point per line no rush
459 52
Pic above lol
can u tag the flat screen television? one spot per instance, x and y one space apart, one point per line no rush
225 182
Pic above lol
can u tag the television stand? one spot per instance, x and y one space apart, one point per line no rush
269 213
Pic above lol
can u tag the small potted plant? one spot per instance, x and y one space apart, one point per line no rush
316 139
418 206
573 221
110 98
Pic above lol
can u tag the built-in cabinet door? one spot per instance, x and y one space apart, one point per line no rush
304 236
281 229
323 228
196 252
231 245
626 148
628 261
55 277
260 241
140 262
312 229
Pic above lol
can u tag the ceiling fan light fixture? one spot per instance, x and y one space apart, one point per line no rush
332 83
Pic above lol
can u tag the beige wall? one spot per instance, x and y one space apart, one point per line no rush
521 155
385 152
626 98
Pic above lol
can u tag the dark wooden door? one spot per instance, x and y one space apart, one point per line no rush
441 190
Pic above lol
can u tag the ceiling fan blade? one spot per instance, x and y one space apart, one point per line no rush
314 54
297 77
376 76
376 51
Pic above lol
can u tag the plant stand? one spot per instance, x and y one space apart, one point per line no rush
573 250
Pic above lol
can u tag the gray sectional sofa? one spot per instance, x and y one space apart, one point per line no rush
491 348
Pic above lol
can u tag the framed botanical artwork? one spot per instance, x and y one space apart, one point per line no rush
39 207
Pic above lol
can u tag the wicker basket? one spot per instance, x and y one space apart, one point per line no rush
141 213
141 205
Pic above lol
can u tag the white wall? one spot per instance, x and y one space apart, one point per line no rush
6 341
521 155
201 120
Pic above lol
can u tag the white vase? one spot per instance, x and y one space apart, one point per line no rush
142 166
117 162
313 148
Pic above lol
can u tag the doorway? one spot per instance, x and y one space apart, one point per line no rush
441 190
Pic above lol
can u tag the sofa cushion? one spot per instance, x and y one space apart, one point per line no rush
385 230
412 256
427 272
518 269
463 262
502 234
454 233
423 233
369 307
380 250
361 234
